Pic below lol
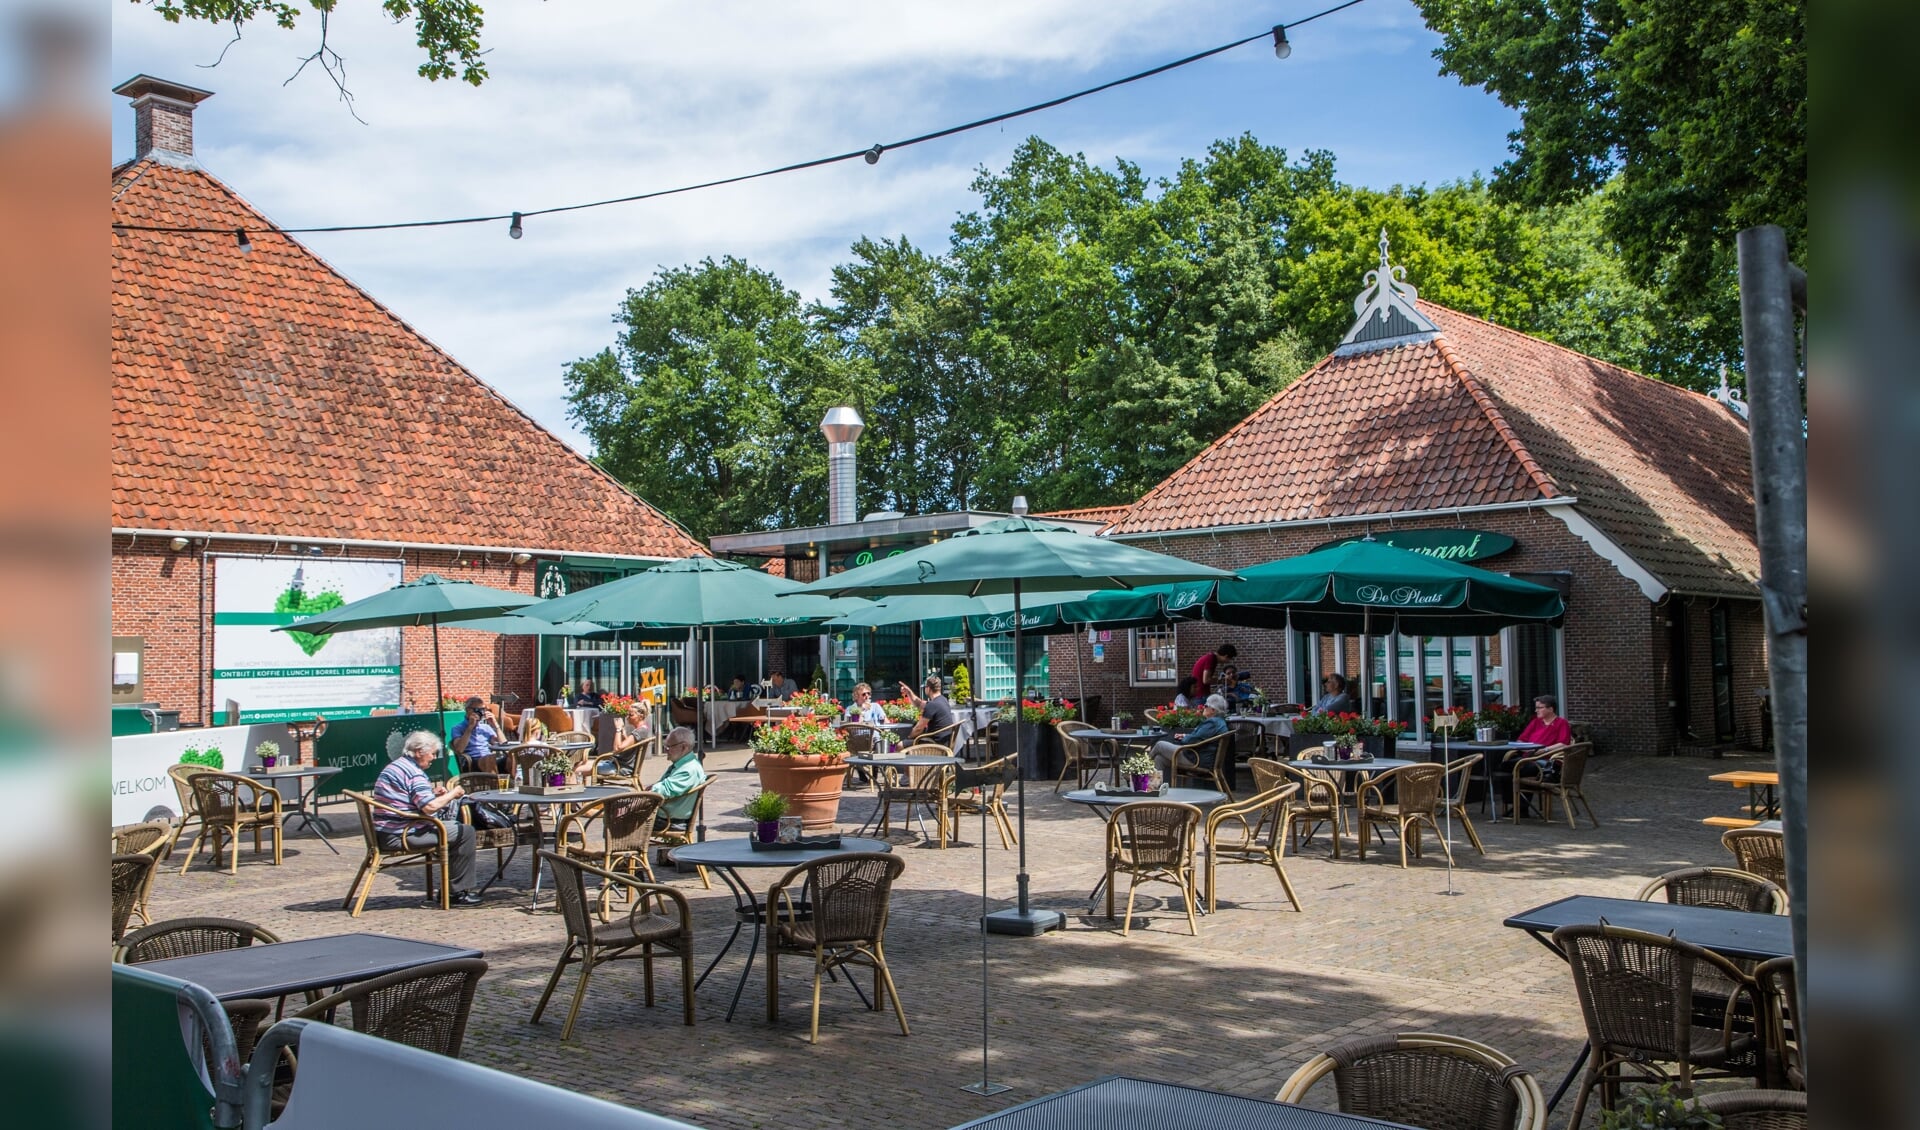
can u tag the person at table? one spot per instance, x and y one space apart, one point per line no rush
404 785
863 708
1242 689
587 696
779 686
936 713
1547 730
1189 696
1213 723
741 691
1334 698
1207 669
684 774
473 740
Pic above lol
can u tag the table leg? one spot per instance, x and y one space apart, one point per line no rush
1573 1073
745 910
305 806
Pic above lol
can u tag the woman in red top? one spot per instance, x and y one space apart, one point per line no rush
1547 729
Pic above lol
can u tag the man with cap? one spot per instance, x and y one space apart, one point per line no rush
1213 723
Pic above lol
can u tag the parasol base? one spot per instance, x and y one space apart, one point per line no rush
1032 924
984 1088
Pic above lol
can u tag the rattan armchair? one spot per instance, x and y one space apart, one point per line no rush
679 832
1263 813
179 775
1417 801
1759 851
1191 761
1759 1110
1250 738
1152 841
1454 796
1571 761
1722 888
1780 1011
927 786
555 718
149 838
1636 993
184 937
625 836
839 920
227 804
1426 1079
1084 757
944 737
659 916
1317 802
378 860
992 794
130 875
424 1007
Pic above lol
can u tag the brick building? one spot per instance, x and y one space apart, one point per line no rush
265 408
1425 426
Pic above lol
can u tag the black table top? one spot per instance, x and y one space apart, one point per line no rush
910 761
1123 735
1120 1103
1730 933
736 851
280 968
514 796
1199 797
286 771
1380 764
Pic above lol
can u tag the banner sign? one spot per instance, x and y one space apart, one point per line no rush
361 747
288 676
141 789
1447 545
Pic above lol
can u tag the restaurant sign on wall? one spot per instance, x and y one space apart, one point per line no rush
1447 545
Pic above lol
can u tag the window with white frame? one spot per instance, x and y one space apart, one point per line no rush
1150 657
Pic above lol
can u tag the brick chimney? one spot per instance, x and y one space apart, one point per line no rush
162 115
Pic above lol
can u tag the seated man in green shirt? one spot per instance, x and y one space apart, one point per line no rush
683 775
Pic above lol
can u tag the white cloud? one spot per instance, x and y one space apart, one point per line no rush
593 100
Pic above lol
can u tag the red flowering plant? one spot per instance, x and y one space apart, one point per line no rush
815 702
1507 721
900 710
1032 710
1179 719
616 704
1063 711
1347 723
799 735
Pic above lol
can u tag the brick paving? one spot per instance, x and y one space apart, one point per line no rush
1377 949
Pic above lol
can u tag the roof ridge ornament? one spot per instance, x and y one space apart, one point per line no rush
1384 312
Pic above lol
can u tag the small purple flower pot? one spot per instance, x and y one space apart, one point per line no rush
556 780
269 762
1142 782
767 831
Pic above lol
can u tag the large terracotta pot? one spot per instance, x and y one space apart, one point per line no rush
810 784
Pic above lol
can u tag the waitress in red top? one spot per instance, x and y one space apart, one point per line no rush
1547 729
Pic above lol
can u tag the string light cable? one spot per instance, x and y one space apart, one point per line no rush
871 154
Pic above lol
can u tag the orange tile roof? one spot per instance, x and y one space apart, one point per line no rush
1480 416
1101 514
263 393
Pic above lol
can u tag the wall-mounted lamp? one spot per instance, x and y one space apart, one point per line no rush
179 544
522 558
316 551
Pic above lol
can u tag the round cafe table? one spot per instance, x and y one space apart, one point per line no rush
305 799
534 800
905 761
1115 739
728 857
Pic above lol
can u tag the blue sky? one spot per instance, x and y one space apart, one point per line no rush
596 98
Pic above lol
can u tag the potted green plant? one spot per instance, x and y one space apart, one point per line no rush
803 758
209 757
553 769
765 808
1658 1108
815 702
962 686
1140 768
269 753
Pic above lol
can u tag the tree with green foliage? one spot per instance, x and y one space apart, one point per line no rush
699 406
1691 113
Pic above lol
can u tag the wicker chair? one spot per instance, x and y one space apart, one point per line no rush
944 737
227 803
1249 739
968 802
1426 1079
1720 887
1572 762
378 860
1780 1007
1084 757
1637 996
150 838
184 937
1187 763
1263 812
659 916
844 925
1763 853
682 832
1417 801
179 775
1759 1110
1152 841
682 712
1317 803
1454 796
424 1007
131 874
928 786
626 834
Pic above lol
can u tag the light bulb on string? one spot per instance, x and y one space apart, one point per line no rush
514 228
872 156
1281 48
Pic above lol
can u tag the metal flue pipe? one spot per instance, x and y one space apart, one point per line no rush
842 427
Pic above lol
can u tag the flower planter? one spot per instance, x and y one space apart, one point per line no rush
1142 782
1039 747
810 783
767 831
555 780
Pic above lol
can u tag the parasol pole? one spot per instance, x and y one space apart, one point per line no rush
1024 920
1445 724
439 695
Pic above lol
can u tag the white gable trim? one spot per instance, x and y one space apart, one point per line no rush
1610 551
